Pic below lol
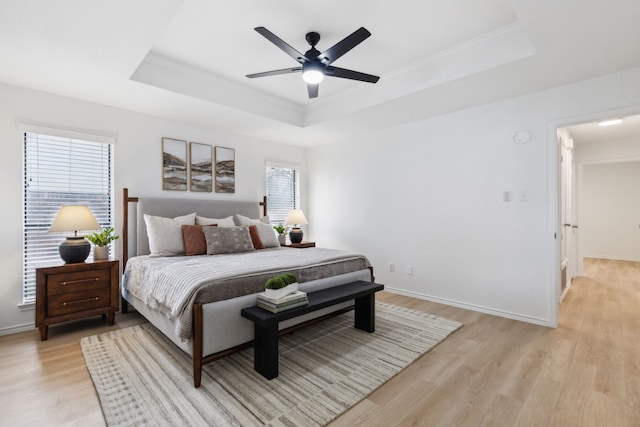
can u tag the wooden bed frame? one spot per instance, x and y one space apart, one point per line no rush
198 358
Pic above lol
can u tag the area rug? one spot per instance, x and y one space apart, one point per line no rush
143 379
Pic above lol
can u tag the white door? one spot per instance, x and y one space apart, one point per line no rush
568 226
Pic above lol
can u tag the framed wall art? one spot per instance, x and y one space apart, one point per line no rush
201 159
225 170
174 164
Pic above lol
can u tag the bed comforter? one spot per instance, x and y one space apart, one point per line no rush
172 285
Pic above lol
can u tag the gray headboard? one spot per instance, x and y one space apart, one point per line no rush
175 207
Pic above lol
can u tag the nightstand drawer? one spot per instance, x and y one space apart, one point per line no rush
72 302
78 281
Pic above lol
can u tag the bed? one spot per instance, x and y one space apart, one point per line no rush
195 300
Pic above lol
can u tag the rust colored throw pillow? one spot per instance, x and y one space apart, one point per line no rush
194 241
255 237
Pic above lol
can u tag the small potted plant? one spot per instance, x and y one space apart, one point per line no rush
282 233
280 286
101 242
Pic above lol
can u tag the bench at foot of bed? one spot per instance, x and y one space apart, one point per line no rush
266 323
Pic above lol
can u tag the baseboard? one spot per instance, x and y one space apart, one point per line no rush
17 329
612 258
472 307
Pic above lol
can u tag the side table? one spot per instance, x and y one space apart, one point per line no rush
76 291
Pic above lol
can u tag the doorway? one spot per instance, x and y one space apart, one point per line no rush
583 220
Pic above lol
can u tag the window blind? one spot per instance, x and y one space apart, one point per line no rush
60 171
283 191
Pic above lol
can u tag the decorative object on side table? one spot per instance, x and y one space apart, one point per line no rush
281 229
296 217
101 242
74 218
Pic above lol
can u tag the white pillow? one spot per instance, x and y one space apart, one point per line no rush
265 230
222 222
165 234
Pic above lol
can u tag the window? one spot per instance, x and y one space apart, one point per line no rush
61 170
283 191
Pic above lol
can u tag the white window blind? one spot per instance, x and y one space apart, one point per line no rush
283 191
59 171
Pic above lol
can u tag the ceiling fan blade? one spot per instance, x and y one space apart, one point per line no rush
344 46
275 72
282 45
313 90
350 74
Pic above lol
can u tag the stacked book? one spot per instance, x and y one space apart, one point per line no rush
287 302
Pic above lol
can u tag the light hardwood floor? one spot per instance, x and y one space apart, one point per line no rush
492 372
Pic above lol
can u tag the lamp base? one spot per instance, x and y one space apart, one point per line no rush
74 250
295 235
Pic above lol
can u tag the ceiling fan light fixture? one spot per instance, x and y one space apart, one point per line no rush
312 74
314 64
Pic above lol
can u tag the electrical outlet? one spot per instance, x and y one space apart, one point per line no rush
409 270
392 267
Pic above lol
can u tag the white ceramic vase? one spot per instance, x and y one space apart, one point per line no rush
279 293
100 252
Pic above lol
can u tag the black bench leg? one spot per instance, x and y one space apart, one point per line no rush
265 359
365 313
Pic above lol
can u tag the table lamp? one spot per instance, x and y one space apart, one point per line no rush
295 217
74 218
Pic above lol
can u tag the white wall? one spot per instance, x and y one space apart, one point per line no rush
610 210
607 151
429 195
138 162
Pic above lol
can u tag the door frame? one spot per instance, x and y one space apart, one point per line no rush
553 198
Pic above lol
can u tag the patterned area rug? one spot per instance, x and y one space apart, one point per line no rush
143 379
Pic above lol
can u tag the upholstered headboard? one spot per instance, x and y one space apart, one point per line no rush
175 207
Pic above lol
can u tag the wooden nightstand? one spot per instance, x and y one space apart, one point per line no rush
301 245
76 291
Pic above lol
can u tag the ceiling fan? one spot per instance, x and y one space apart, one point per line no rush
316 65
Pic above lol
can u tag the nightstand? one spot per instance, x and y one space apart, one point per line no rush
76 291
301 245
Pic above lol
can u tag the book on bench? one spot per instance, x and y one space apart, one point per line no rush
287 302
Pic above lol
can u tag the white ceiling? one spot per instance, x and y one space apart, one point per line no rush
589 133
187 59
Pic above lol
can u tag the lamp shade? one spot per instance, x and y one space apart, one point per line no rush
74 218
295 216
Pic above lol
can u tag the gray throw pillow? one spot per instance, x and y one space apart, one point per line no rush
227 240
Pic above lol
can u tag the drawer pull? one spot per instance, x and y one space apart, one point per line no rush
69 282
64 304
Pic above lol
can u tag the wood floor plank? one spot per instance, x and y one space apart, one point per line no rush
493 371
